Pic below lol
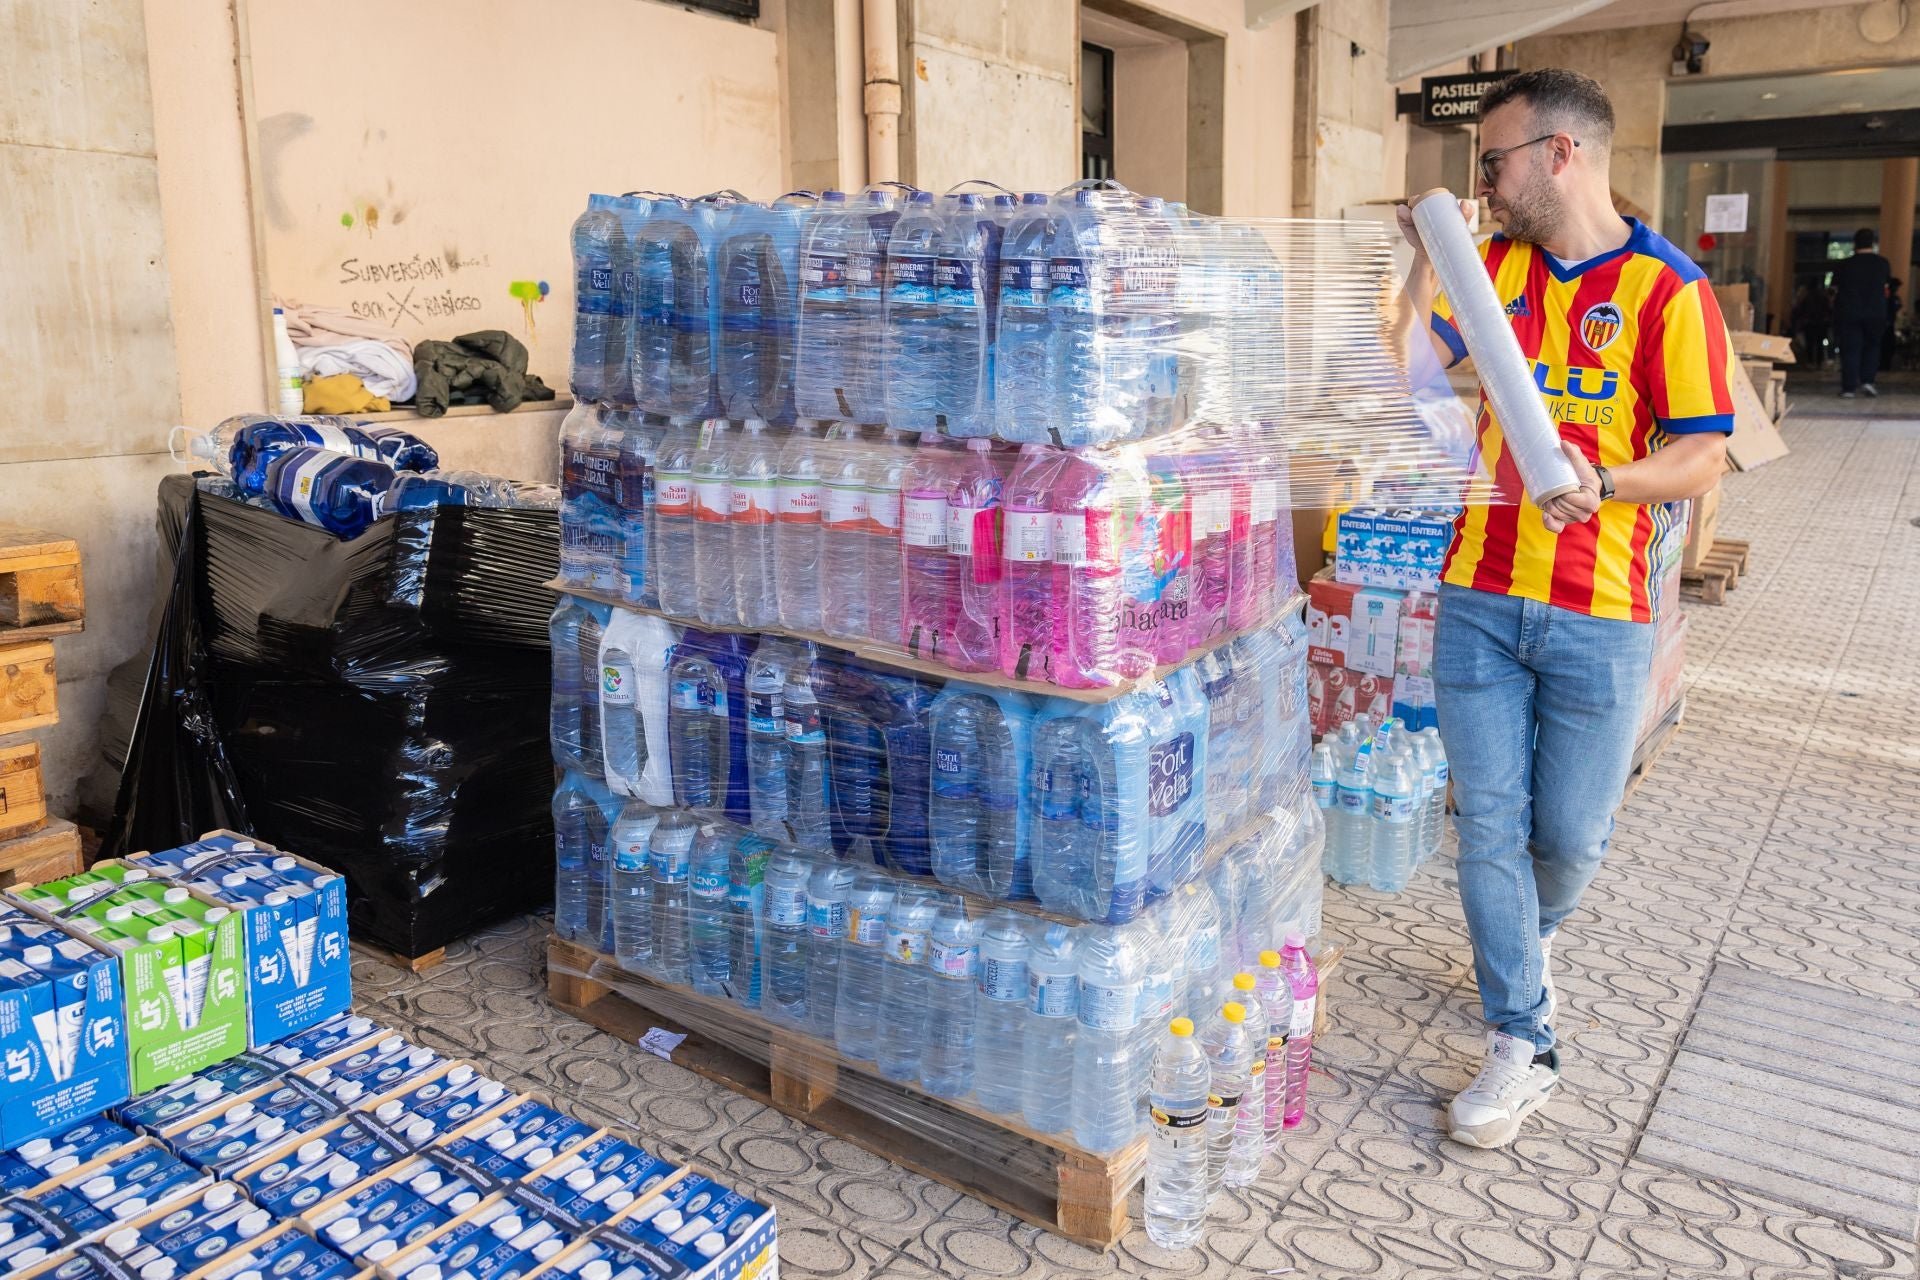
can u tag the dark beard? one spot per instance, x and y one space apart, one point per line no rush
1536 215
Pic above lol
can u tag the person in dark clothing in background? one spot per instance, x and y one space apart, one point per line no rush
1809 320
1860 313
1890 339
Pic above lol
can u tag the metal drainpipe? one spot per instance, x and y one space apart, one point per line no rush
879 20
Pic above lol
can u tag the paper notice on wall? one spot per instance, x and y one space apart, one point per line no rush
661 1043
1726 214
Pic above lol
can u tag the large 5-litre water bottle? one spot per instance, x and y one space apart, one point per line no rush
887 460
674 520
746 902
827 906
783 980
634 706
999 1032
901 1037
1303 983
1105 1084
572 863
873 217
640 439
797 535
596 265
929 583
333 491
570 675
759 271
712 529
1229 1047
863 960
1393 829
955 810
916 355
973 543
953 966
1176 1192
845 534
589 511
809 791
1027 637
671 855
619 721
1053 1015
828 335
632 887
710 919
767 753
965 295
1024 392
755 479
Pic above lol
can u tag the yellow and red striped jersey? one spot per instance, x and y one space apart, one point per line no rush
1629 350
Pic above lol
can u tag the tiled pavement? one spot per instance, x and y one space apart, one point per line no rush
1781 832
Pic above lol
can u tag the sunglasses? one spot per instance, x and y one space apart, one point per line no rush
1490 161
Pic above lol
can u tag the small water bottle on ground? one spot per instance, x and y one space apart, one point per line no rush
1176 1193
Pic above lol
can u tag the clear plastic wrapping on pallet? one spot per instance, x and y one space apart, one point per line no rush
992 898
1090 317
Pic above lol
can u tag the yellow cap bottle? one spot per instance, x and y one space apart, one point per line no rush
1234 1012
1244 982
1270 959
1181 1026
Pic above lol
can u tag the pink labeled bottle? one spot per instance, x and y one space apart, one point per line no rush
1303 981
1209 485
1027 629
929 586
1093 503
1160 575
973 544
1268 506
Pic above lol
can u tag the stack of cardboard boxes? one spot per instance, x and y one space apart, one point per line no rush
1370 619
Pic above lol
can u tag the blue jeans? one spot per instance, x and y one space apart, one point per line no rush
1539 708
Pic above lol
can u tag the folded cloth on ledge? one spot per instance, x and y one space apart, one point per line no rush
487 367
311 326
386 372
341 393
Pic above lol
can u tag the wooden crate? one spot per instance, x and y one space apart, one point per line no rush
23 796
40 588
27 687
412 964
1719 572
52 853
962 1146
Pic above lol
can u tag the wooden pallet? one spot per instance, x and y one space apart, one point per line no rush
1041 1178
1650 747
29 689
23 795
51 853
41 593
411 964
1720 571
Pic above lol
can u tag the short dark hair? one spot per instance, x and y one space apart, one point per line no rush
1561 98
1864 238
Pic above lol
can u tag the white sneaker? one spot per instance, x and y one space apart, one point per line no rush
1509 1088
1870 389
1546 977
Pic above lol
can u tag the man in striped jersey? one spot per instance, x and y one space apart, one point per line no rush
1544 633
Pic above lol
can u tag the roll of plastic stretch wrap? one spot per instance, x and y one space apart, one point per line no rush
1531 437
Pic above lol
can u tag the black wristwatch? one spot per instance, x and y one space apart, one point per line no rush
1606 483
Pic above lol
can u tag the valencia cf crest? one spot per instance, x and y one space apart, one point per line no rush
1600 326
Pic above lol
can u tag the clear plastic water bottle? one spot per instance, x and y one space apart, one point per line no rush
589 509
916 354
1063 852
1156 936
930 593
712 528
1176 1192
632 887
755 477
783 980
746 901
886 469
1392 823
1024 388
1000 1024
1348 843
633 498
671 855
710 919
595 275
329 490
1053 1016
1249 1144
901 1037
973 544
955 816
1106 1109
872 217
1229 1047
1005 861
797 546
1436 816
863 959
698 782
809 798
767 753
673 520
620 725
829 332
564 707
953 965
844 534
964 295
827 907
571 861
1303 983
1208 968
1276 1000
1325 778
1027 637
1093 502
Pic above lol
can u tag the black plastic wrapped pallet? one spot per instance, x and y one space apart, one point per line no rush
379 705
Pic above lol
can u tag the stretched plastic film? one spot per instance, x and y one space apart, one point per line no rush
1530 436
1090 317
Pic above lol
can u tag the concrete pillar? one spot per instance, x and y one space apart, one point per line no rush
1779 247
1898 177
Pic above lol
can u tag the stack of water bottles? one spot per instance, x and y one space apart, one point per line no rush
339 474
1382 794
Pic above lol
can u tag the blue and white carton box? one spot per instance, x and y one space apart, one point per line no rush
299 970
1405 550
691 1229
63 1029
